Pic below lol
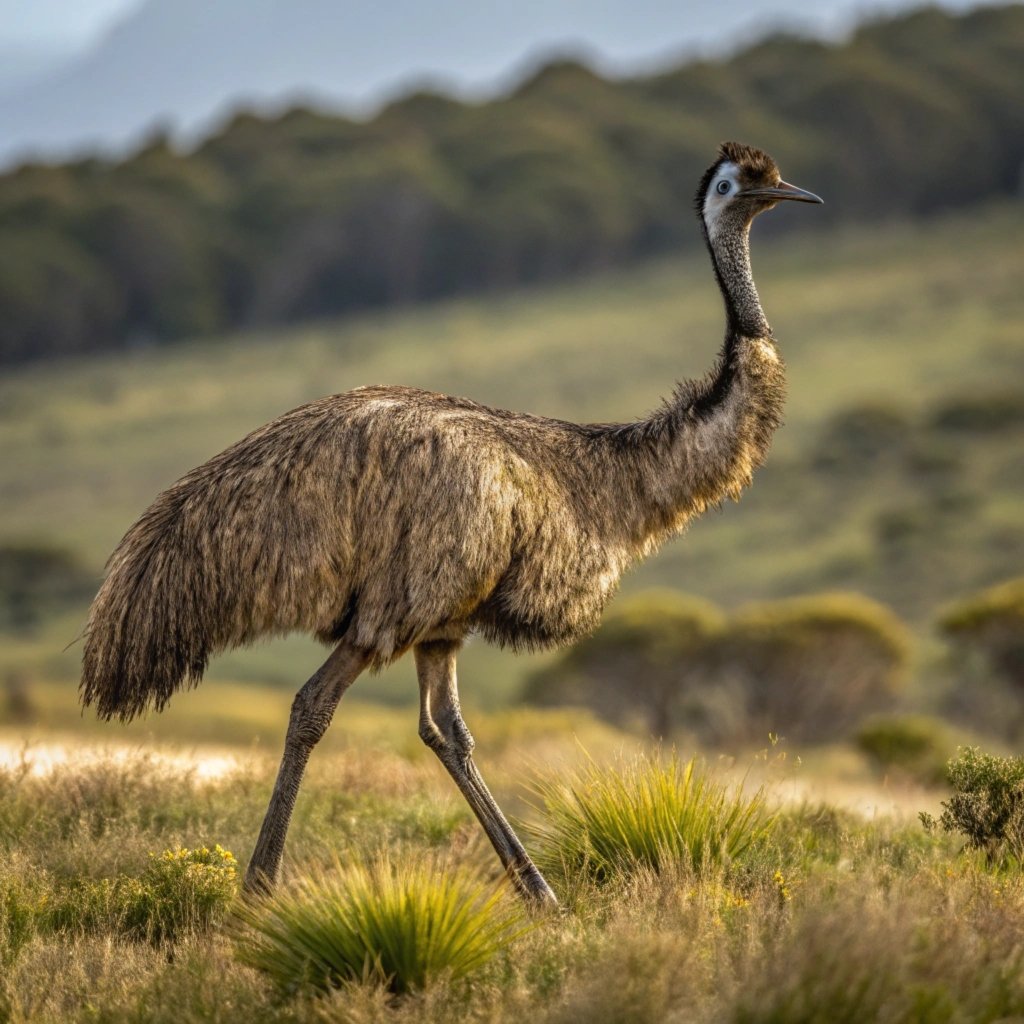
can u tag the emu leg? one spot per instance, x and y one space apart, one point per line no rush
444 731
312 711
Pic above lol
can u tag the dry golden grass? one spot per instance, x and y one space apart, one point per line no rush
835 917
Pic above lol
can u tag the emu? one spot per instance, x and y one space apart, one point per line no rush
389 518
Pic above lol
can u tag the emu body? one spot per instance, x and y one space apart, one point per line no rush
389 518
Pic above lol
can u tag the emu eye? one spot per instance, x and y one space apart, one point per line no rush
723 187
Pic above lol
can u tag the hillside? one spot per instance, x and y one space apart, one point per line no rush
308 215
897 474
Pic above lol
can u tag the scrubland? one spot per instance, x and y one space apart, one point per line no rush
119 893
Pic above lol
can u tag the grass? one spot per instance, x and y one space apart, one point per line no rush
604 821
179 893
839 917
908 316
223 717
403 926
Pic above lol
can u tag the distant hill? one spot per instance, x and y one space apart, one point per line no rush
309 214
187 62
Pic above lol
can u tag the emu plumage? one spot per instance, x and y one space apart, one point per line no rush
388 519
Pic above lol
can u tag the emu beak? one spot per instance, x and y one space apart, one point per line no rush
782 191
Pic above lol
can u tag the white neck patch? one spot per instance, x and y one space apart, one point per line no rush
715 201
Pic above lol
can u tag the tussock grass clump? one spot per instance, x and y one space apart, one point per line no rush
399 926
648 813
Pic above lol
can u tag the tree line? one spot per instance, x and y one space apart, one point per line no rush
308 214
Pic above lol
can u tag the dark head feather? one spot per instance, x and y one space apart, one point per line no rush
755 163
756 168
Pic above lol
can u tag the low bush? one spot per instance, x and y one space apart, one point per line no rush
650 654
987 805
991 624
180 893
854 439
648 813
36 581
811 667
400 926
916 747
980 414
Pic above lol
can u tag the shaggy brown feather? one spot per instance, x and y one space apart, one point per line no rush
389 516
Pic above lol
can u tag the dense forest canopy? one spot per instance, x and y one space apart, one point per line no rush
310 214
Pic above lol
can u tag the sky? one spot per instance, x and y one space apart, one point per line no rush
72 24
58 23
89 75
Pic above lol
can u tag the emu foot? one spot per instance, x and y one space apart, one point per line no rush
259 882
534 889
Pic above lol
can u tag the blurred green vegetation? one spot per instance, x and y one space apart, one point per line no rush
308 215
36 581
911 747
992 623
810 667
985 632
652 653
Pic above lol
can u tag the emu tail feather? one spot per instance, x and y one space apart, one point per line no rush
148 629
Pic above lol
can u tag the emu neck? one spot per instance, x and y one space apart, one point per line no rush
705 443
729 246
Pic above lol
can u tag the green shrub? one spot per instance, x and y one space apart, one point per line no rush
991 624
855 438
642 667
915 746
402 926
808 668
981 414
180 892
646 813
811 667
987 805
36 581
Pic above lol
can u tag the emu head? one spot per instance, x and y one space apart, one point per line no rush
739 185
